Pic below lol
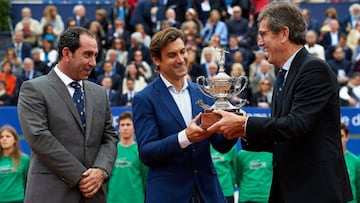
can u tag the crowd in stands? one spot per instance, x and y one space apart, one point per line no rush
124 31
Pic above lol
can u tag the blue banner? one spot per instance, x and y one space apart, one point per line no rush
349 116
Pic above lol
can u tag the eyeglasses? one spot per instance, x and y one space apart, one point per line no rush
263 33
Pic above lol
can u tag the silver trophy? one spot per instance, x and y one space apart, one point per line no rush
221 87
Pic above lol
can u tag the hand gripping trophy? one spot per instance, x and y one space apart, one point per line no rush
221 87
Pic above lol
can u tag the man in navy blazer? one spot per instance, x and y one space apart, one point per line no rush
171 144
303 132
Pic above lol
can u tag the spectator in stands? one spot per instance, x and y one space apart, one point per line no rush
356 67
129 172
179 7
253 176
195 69
48 53
115 77
353 39
121 10
225 165
170 17
118 67
244 5
96 28
263 93
340 66
266 71
27 73
120 47
214 46
126 99
312 46
29 36
34 24
23 49
137 44
349 22
145 13
213 69
144 36
14 166
52 17
348 53
254 67
49 34
352 164
71 22
311 23
209 57
238 26
101 17
214 26
347 92
112 94
192 15
144 68
330 14
5 99
79 12
331 38
232 48
118 31
39 65
205 7
8 77
11 56
193 40
133 73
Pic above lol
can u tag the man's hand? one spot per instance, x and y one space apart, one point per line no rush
194 132
230 125
91 181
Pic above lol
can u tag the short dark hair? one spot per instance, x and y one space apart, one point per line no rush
70 38
125 115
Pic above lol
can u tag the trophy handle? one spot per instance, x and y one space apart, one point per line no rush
240 83
202 80
242 103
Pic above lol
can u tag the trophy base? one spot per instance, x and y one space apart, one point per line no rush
208 117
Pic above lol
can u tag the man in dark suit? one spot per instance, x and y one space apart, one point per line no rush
67 122
303 132
126 99
175 149
23 49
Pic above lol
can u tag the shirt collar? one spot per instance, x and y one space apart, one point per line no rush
171 86
287 64
64 78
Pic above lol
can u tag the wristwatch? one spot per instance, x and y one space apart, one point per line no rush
105 175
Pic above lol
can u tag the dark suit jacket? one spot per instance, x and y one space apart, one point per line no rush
326 40
61 148
173 171
123 99
304 136
25 50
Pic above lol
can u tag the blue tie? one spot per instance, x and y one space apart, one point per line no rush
280 84
78 98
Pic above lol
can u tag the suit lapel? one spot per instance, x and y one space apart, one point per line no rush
89 105
168 101
195 96
63 92
294 69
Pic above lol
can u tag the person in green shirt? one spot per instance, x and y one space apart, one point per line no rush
254 176
14 166
225 168
127 182
352 164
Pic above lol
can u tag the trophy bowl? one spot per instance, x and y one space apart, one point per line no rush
221 87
